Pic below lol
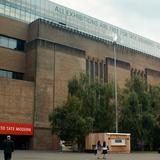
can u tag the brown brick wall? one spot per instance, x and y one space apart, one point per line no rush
68 63
95 48
98 50
122 72
122 75
16 101
153 76
42 139
44 84
30 61
53 56
12 28
12 60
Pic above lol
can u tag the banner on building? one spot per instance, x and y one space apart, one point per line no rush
16 128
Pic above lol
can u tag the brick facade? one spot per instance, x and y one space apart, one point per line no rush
53 55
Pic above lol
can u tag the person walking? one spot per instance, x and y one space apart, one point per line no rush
105 149
8 148
99 150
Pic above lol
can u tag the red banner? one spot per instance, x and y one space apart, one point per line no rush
16 128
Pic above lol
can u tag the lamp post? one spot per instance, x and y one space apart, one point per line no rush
115 78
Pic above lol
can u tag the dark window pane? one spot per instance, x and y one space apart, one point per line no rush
105 73
17 75
87 66
20 45
101 72
96 70
92 70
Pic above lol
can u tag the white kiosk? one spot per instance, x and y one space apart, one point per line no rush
117 142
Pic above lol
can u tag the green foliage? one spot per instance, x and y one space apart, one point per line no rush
67 121
140 112
89 107
95 101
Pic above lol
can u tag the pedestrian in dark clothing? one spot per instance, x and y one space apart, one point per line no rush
105 149
8 148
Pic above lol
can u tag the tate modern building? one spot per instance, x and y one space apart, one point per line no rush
42 46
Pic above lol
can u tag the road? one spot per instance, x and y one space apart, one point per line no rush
48 155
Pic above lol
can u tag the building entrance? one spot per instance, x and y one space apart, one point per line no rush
20 142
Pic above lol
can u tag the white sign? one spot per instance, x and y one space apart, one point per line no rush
118 142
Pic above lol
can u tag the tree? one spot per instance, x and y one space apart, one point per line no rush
68 123
140 112
155 111
89 108
96 102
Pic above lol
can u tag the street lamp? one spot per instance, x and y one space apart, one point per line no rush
115 78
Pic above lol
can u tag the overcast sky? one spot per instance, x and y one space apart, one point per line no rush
138 16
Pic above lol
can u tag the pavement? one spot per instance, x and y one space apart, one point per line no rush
49 155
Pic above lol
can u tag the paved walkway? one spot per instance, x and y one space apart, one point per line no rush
44 155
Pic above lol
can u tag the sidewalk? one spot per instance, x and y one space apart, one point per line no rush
48 155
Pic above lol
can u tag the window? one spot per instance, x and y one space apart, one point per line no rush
105 73
16 75
1 8
12 43
3 41
118 140
20 45
96 70
101 72
92 70
12 75
5 74
87 66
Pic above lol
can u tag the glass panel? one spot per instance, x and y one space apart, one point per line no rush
7 10
2 8
2 74
20 45
17 13
9 74
3 41
57 13
13 12
12 43
18 76
12 75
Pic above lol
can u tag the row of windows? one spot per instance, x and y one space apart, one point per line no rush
96 70
12 75
12 43
138 73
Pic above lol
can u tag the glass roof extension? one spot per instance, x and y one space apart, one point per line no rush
30 10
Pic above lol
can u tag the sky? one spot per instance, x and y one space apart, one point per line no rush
138 16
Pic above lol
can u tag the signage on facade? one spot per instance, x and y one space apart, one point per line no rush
105 30
79 21
16 128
